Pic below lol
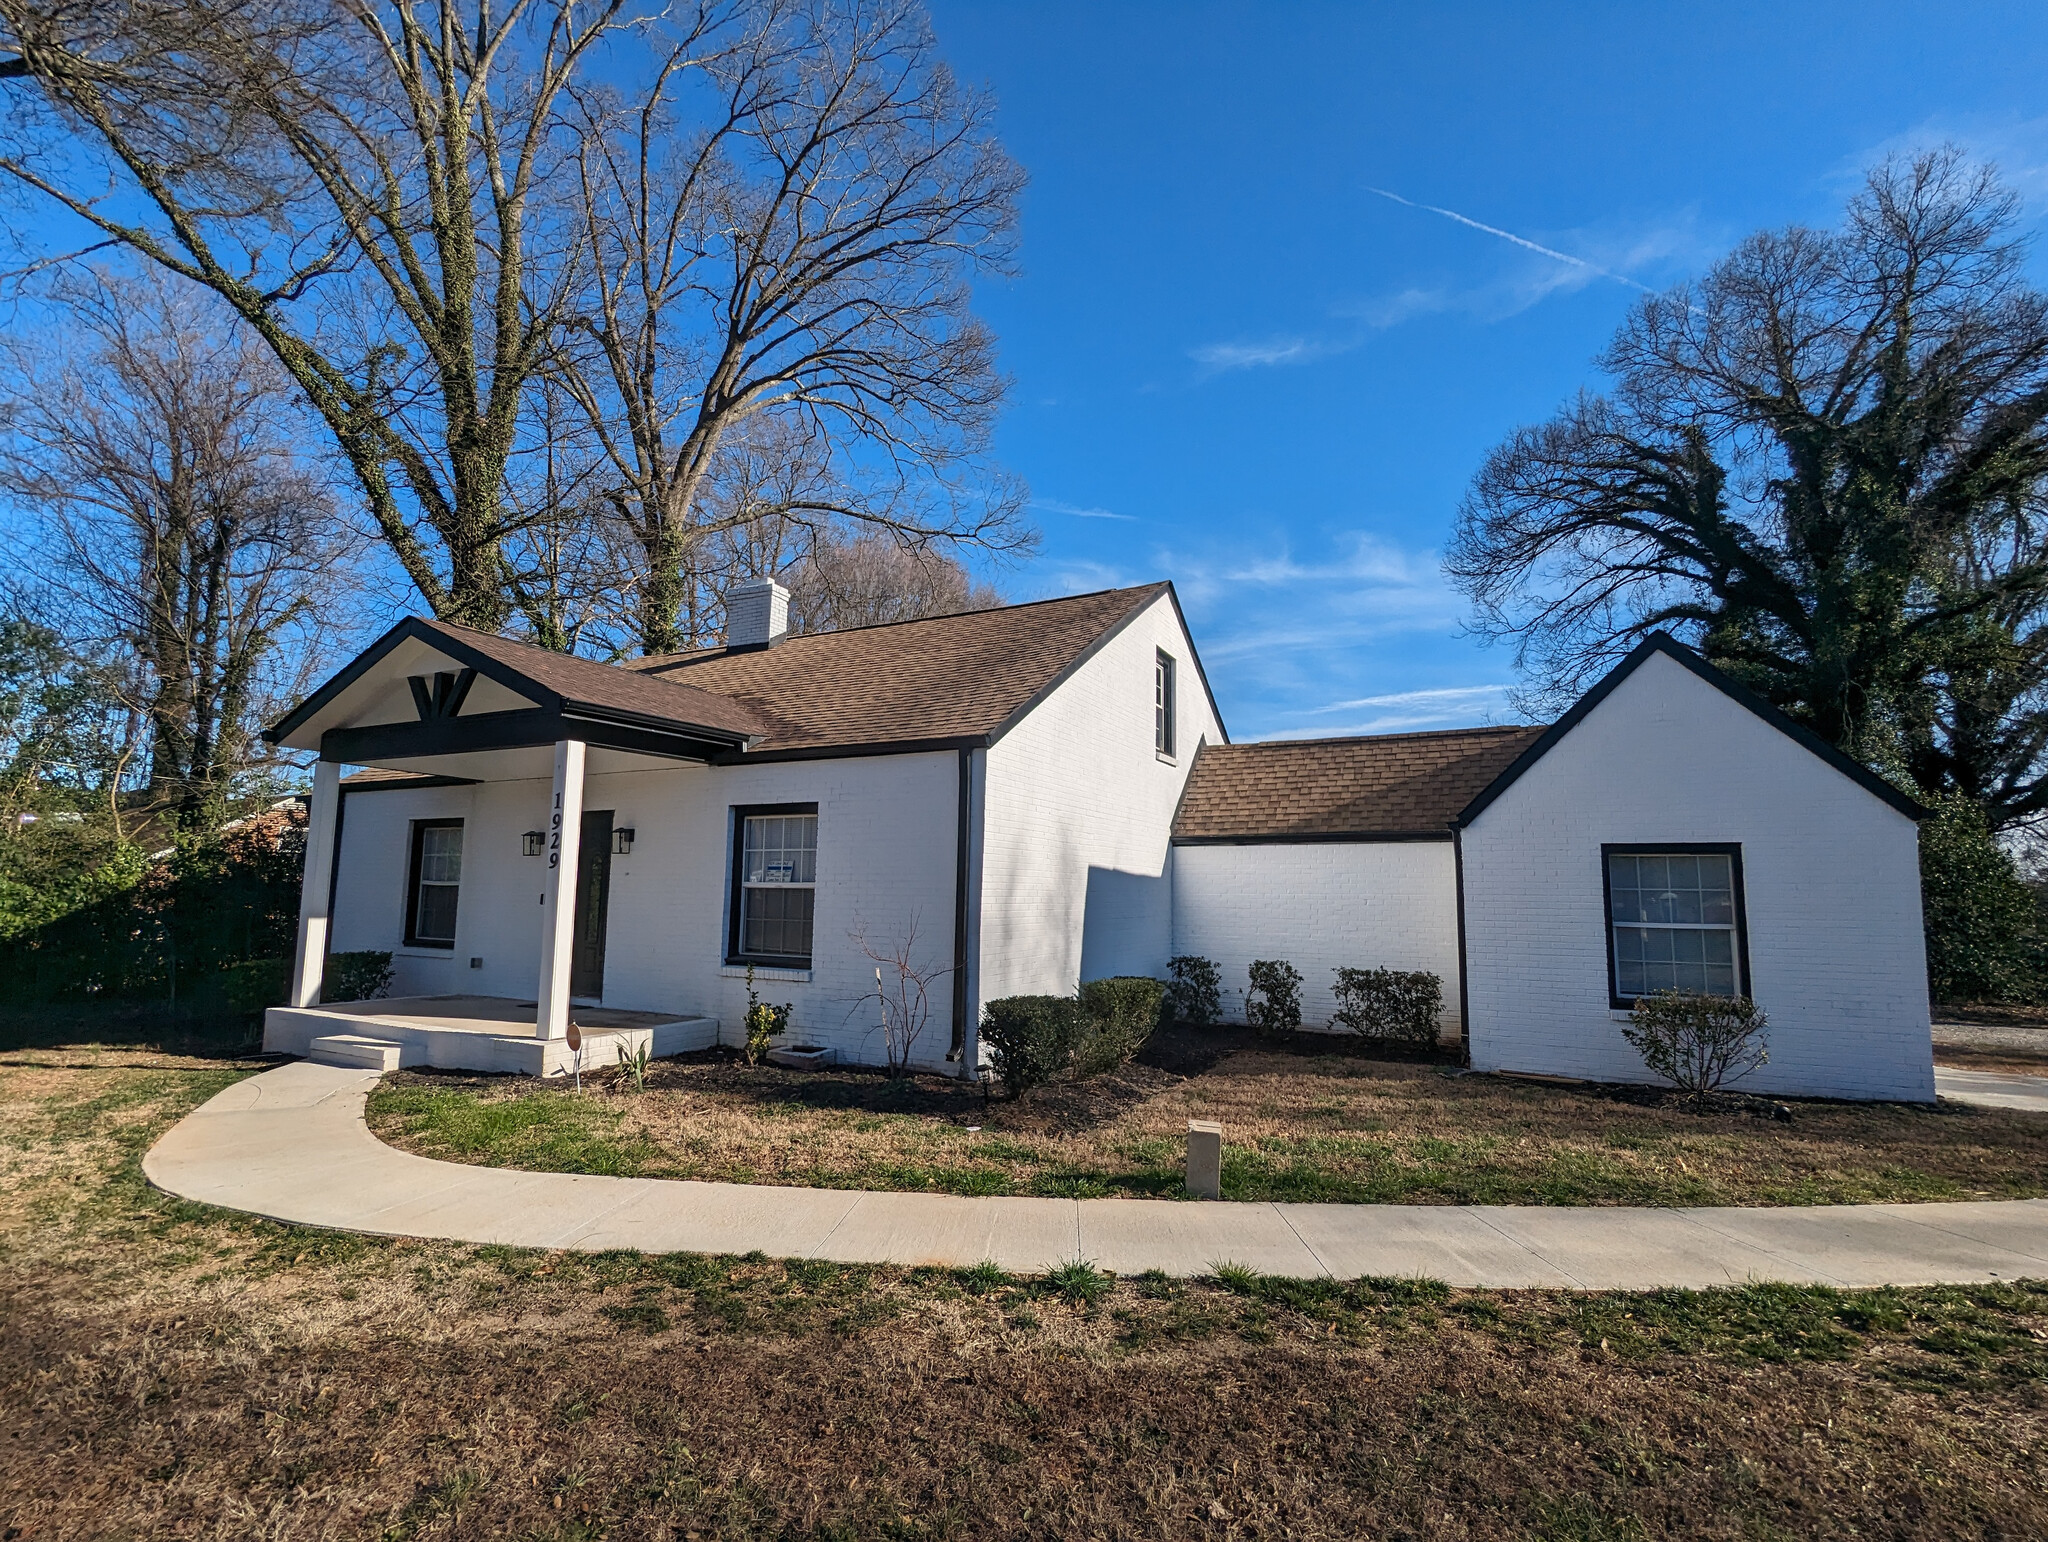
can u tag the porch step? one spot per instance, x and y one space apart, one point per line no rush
353 1049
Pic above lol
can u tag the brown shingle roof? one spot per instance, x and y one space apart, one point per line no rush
945 677
1391 784
586 682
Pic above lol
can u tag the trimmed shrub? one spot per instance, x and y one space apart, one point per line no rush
1032 1038
1393 1006
1698 1042
1195 994
1273 1004
255 983
1122 1011
362 975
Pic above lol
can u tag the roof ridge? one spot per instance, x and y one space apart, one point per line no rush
651 663
657 660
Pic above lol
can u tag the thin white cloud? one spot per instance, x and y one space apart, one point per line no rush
1360 562
1079 511
1552 252
2017 146
1670 246
1078 575
1443 698
1457 706
1218 357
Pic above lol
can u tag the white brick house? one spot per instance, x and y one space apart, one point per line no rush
1670 831
1048 794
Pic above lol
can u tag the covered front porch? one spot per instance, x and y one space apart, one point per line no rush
473 1033
449 708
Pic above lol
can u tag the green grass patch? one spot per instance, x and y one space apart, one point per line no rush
551 1131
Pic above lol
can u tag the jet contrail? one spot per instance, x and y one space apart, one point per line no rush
1509 235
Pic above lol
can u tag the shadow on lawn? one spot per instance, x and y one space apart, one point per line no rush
153 1027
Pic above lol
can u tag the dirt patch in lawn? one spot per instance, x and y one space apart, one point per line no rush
173 1370
1298 1125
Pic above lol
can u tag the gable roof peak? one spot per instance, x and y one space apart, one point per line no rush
1661 642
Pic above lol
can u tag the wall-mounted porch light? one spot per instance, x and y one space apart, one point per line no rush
622 841
534 842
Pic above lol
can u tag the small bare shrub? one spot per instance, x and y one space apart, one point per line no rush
1394 1006
1698 1042
903 985
1273 1004
1195 994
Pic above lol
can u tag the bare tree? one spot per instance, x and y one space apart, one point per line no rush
361 181
782 228
870 578
902 992
1826 463
178 521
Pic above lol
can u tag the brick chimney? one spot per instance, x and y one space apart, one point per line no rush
756 615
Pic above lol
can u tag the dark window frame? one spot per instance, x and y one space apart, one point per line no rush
1729 849
736 896
1165 704
420 827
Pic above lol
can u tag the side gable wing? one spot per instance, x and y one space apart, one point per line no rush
1677 652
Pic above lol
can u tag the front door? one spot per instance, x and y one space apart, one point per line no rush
593 897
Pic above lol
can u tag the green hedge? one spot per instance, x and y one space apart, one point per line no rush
1392 1006
1031 1038
361 975
1122 1012
114 926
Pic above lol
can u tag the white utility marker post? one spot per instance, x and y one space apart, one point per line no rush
558 895
310 959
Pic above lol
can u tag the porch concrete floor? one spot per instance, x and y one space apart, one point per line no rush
499 1016
473 1033
291 1144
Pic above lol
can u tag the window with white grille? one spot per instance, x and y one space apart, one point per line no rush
1675 921
775 885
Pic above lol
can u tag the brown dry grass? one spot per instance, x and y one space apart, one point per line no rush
171 1371
1297 1126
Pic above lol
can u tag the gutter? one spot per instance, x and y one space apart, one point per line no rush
962 850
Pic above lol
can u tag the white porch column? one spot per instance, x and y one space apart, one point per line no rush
310 959
558 897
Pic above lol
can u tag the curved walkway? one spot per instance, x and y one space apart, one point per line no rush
291 1144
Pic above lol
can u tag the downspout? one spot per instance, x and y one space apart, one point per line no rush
334 863
962 847
1464 994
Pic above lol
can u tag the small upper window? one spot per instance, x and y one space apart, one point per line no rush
436 883
775 885
1162 703
1676 922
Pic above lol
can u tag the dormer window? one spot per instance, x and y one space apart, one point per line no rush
1162 704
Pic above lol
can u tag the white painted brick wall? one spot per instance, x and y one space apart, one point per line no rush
1079 810
1321 907
886 837
1831 876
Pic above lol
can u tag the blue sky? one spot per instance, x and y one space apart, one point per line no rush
1240 367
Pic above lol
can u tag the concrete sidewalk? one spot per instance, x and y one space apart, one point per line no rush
1992 1089
291 1144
